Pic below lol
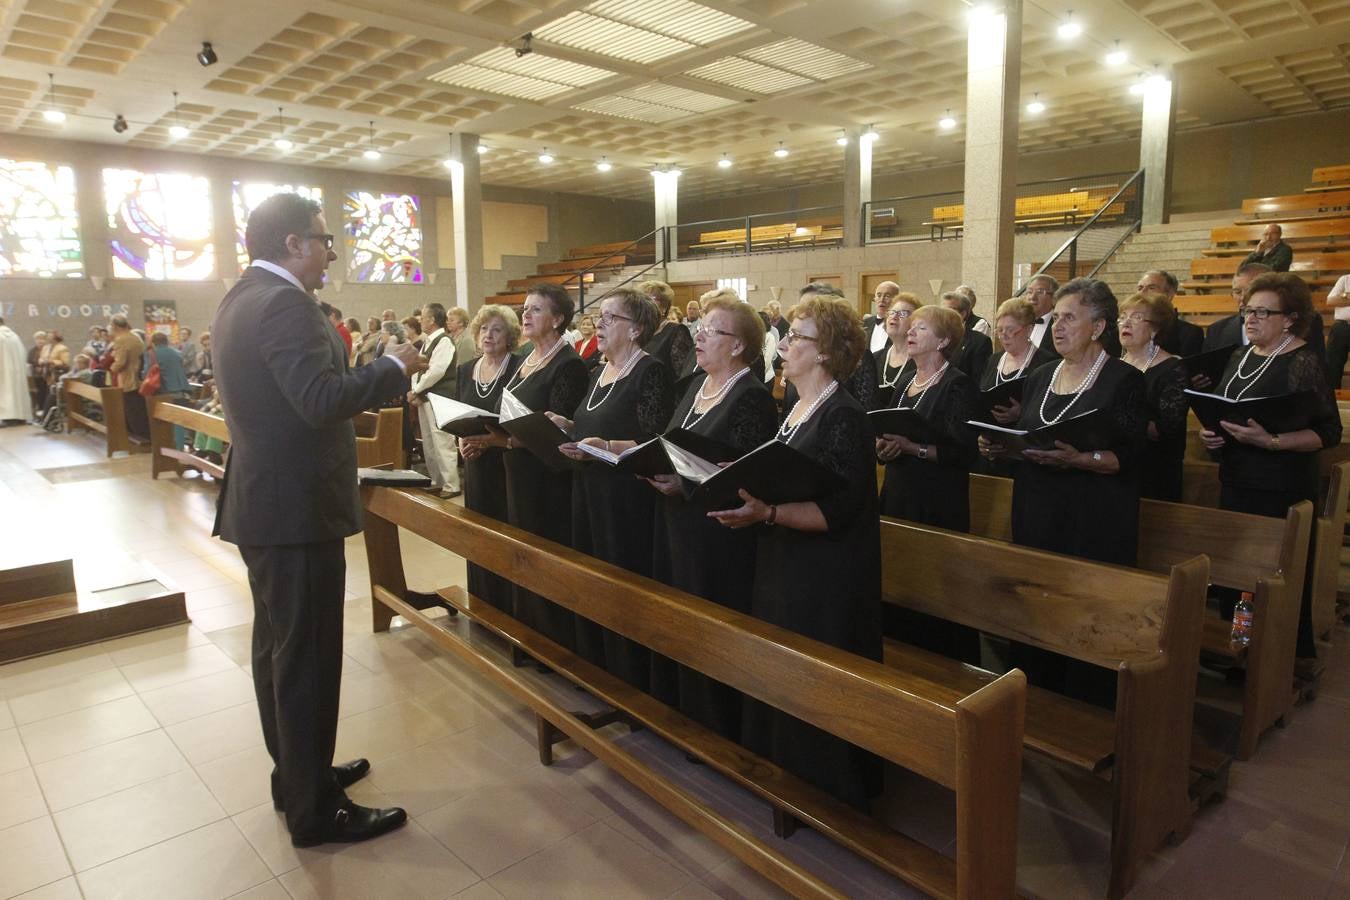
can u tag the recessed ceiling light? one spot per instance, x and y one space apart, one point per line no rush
781 152
1069 28
603 165
545 157
1137 89
283 145
449 163
1036 107
724 162
55 116
947 123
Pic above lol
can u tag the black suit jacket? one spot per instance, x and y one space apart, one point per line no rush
974 355
288 399
1182 338
1047 343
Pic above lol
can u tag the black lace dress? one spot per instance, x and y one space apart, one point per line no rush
1164 386
613 513
887 378
673 345
1268 482
485 478
827 586
538 499
1005 468
697 554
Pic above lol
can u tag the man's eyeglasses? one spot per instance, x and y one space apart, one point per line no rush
709 330
326 238
1259 313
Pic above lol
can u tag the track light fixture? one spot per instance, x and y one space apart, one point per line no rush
526 45
1117 56
1036 107
870 134
120 124
207 56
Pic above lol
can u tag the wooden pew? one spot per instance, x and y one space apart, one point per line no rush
573 266
1329 535
1296 206
1143 626
1264 555
379 438
114 424
968 741
164 455
1330 178
1316 235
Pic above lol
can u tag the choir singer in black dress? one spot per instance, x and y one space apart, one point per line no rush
613 514
497 332
671 344
892 360
1013 325
550 378
1142 318
818 562
728 403
1263 473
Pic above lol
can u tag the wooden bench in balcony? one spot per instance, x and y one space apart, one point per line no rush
1330 178
1313 236
1296 207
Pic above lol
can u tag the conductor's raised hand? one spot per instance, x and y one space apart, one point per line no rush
407 354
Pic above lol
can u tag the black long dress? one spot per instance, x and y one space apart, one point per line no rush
485 478
1164 385
613 513
697 554
991 377
937 494
1265 482
538 499
827 586
673 346
1081 513
887 378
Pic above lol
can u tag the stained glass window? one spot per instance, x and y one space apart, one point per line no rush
159 225
247 196
39 224
384 237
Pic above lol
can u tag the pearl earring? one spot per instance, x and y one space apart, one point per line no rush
820 357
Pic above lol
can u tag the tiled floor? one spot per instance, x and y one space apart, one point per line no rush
135 768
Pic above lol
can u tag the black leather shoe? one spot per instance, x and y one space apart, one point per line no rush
353 823
346 774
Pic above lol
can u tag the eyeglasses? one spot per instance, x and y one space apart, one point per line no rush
709 330
900 313
1039 290
607 319
794 336
1134 319
326 238
1260 313
1009 330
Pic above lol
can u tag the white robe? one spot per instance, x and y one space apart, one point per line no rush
14 400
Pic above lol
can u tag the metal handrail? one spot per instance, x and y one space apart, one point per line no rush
1081 178
786 212
622 251
1137 176
1114 247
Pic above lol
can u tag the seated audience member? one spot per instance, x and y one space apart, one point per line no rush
776 320
56 364
874 324
1041 293
204 372
892 360
1142 317
1181 338
976 348
354 329
974 322
585 345
770 353
1260 472
187 349
1272 250
37 359
862 383
97 344
672 344
1338 342
365 352
203 445
798 554
173 380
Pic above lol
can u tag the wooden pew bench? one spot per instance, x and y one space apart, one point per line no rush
1264 555
1143 626
1327 540
110 400
379 438
967 741
1330 178
165 456
1296 207
1314 236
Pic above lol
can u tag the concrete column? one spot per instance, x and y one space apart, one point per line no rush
857 185
993 68
666 195
466 195
1156 145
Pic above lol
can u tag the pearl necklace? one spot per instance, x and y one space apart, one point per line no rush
623 373
539 363
923 388
491 385
1152 355
886 365
999 377
1260 370
1078 392
787 432
711 400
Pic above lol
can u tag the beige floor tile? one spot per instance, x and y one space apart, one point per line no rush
224 595
200 696
219 733
20 798
160 642
193 575
30 857
65 889
386 730
113 826
265 830
441 771
185 665
85 728
597 861
29 675
1214 864
241 780
6 717
210 863
12 755
408 863
236 643
734 880
98 772
82 691
268 890
480 891
650 825
495 827
218 618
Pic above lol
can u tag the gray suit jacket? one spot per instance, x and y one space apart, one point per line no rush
288 399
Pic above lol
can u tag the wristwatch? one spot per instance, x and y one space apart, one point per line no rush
923 451
1096 456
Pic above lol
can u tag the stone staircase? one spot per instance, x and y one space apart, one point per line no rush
1170 247
616 277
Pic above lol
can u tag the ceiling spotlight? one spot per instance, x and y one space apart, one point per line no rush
177 131
371 153
724 162
842 140
1069 28
1036 107
947 123
206 56
603 165
482 148
281 143
870 134
525 48
781 152
120 124
545 157
1116 57
51 113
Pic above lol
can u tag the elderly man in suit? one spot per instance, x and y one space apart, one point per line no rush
1181 338
1041 292
290 498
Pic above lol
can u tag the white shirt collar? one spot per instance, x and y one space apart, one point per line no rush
279 271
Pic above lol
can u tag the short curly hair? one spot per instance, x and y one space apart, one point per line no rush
1160 311
946 324
497 311
1295 298
745 322
1021 310
839 333
641 309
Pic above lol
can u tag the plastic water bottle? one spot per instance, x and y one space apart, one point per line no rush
1242 620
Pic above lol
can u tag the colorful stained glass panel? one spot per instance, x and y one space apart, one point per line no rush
159 225
384 237
39 224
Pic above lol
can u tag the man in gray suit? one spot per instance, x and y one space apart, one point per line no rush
290 497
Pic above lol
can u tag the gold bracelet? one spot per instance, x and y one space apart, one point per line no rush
1274 442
